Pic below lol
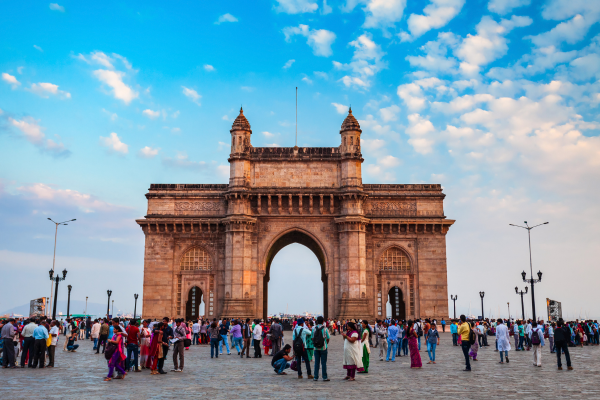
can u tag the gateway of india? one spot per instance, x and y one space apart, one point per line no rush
215 242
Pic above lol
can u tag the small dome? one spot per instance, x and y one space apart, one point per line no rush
241 123
350 123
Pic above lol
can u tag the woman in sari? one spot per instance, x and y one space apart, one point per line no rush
267 338
474 346
145 338
352 351
366 348
413 346
155 351
117 360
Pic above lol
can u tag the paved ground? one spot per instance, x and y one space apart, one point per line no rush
80 375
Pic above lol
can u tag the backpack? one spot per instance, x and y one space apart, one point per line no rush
471 336
419 330
319 338
298 344
535 337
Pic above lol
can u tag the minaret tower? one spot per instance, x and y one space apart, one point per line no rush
239 164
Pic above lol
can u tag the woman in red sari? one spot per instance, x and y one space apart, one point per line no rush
267 338
117 361
413 346
155 350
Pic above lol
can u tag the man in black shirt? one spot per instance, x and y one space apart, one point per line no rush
280 360
561 341
247 335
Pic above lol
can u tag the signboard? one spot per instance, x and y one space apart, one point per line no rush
554 310
37 307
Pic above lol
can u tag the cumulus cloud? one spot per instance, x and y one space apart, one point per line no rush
114 80
182 161
436 54
45 90
209 68
389 113
571 31
38 48
34 134
148 152
437 14
320 40
269 134
192 95
11 80
151 114
114 144
296 6
383 14
367 61
420 130
288 64
226 18
503 7
340 108
56 7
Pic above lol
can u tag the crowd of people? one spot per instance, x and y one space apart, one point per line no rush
135 345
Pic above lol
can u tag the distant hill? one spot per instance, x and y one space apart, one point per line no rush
77 307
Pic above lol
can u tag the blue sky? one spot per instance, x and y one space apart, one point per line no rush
496 100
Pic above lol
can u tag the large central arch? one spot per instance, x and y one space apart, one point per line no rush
300 236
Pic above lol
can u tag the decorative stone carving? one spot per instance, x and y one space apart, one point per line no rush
393 208
197 206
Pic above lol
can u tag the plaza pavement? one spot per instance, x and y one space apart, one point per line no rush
80 375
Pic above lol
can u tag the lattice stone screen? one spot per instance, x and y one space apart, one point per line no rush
196 259
394 259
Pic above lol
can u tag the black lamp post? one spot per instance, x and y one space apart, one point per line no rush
56 279
69 301
481 294
523 274
135 296
109 292
522 304
453 298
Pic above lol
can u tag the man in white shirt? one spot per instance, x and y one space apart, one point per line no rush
382 334
28 343
95 333
257 337
51 350
195 332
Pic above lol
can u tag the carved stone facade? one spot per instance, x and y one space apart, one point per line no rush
369 239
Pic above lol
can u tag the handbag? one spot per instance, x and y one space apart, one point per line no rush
110 350
294 366
187 342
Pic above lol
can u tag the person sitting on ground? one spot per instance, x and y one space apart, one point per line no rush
280 360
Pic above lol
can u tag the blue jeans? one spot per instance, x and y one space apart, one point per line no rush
74 347
521 339
431 350
214 347
419 339
88 331
95 343
226 341
195 338
280 366
321 359
455 339
405 346
502 354
135 349
237 342
391 349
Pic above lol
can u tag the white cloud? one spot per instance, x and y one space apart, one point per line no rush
389 161
319 39
56 7
20 70
340 108
296 6
326 8
175 114
83 201
389 113
503 7
436 54
192 95
209 68
175 130
182 161
114 79
44 89
307 80
151 114
11 80
223 172
148 152
586 67
437 14
114 143
226 18
412 95
366 62
35 46
420 130
113 116
288 64
372 145
462 103
269 134
571 31
489 44
225 118
383 13
272 145
34 134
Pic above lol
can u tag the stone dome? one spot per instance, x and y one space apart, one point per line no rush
350 123
241 123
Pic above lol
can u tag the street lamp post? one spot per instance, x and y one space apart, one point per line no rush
56 279
522 304
135 296
508 304
69 301
531 281
453 298
86 298
109 292
481 294
113 308
54 257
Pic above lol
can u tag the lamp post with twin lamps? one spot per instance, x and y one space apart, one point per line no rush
531 281
54 257
481 294
56 279
522 304
109 292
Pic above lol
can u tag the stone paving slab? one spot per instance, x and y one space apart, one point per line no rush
80 375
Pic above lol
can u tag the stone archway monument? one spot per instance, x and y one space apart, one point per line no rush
221 239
